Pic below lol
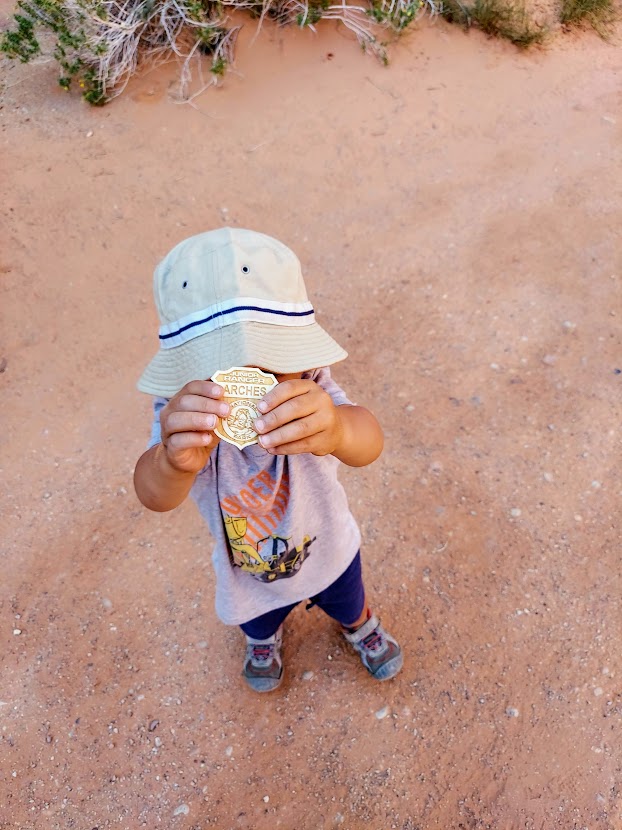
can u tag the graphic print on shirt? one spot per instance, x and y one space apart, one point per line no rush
250 519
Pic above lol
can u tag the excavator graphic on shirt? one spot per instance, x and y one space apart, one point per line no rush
271 559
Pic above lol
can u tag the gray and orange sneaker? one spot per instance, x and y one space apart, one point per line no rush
379 652
263 666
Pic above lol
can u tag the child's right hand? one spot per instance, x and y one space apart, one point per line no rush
187 422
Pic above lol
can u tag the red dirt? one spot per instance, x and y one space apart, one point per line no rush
458 217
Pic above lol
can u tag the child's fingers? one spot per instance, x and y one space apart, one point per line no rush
299 431
179 441
179 421
204 388
200 403
291 410
284 391
318 444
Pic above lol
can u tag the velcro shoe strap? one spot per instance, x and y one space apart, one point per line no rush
363 631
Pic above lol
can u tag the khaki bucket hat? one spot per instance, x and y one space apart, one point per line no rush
232 297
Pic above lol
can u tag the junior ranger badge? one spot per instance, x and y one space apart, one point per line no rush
244 387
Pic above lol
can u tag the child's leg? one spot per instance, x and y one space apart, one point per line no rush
263 665
344 601
263 627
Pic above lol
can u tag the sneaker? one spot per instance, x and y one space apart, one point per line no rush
263 666
379 652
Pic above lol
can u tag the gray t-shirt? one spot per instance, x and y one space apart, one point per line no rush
282 528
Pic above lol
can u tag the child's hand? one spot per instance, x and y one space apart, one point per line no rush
298 416
188 421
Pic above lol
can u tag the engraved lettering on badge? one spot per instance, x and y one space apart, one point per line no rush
244 387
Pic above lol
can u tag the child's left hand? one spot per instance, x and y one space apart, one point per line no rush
298 416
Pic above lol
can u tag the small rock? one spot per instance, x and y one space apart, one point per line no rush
202 644
17 631
598 691
511 712
153 725
182 810
569 326
307 675
158 742
596 485
549 360
515 512
547 476
89 134
266 798
229 751
382 713
107 603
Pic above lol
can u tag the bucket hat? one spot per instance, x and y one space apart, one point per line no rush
232 297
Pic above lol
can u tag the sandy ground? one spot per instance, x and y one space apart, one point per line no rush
458 216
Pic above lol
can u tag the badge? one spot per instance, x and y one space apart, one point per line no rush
244 387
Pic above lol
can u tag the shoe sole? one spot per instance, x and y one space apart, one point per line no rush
262 682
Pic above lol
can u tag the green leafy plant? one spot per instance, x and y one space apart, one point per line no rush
100 43
600 14
498 18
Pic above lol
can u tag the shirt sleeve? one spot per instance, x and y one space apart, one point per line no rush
156 433
324 379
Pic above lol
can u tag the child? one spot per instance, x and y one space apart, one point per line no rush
280 520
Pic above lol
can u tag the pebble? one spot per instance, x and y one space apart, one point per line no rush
202 644
89 134
182 810
511 712
307 675
158 742
596 485
382 713
266 798
107 603
153 725
17 631
547 476
598 691
549 359
515 512
229 751
569 325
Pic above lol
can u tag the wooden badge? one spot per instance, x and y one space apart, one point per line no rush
244 387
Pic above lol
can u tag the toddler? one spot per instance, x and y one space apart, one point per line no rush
279 518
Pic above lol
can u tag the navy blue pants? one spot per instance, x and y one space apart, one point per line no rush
344 601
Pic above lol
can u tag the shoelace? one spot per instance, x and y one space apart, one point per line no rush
261 653
373 641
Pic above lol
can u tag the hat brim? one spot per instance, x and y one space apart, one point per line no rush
276 349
